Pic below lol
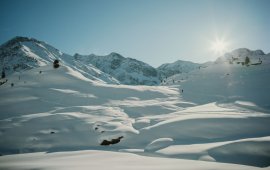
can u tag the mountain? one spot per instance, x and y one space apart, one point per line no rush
239 56
22 53
170 69
126 70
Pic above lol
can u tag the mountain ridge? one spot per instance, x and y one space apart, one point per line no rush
24 53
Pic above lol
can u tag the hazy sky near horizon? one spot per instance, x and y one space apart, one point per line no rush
154 31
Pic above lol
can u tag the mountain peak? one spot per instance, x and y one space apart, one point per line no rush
179 66
19 39
116 55
259 52
246 51
239 55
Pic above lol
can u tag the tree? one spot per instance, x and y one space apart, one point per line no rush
56 63
247 61
3 74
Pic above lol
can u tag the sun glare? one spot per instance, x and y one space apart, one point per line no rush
219 46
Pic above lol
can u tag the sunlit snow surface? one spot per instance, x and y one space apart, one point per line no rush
59 112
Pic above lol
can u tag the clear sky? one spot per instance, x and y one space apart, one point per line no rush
154 31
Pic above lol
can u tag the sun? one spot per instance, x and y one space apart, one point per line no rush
219 46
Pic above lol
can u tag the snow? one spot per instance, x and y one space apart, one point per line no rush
105 159
73 92
226 83
79 117
251 149
62 110
158 144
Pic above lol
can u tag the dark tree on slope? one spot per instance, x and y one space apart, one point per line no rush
247 61
56 63
3 74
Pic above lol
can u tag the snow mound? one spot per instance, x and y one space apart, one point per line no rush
158 144
207 158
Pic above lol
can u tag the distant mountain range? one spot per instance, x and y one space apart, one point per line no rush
22 53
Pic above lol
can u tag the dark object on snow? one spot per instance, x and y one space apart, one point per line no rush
40 72
247 61
12 84
3 82
56 64
113 141
256 64
3 74
182 90
52 132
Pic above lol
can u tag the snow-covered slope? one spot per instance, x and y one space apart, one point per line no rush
126 70
221 116
225 81
22 53
55 106
103 160
170 69
62 110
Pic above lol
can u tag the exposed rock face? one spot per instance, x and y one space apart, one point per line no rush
111 142
126 70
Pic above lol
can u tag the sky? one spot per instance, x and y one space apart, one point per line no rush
153 31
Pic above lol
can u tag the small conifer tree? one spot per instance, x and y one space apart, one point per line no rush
247 61
56 63
3 74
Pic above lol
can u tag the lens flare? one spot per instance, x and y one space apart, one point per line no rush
219 46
